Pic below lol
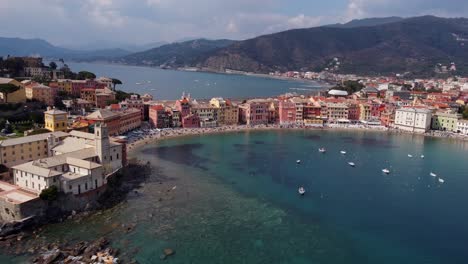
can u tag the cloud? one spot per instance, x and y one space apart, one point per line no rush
406 8
142 21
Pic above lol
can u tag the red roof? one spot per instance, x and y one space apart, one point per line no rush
115 107
157 107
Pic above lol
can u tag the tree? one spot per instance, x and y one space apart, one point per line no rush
349 86
49 194
464 111
8 88
115 82
53 65
84 75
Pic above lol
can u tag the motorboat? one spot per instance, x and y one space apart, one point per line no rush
301 190
138 83
433 174
322 150
441 180
410 156
422 156
386 171
298 161
343 152
351 164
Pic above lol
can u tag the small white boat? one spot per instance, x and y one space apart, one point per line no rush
410 156
148 81
301 190
351 164
137 83
298 161
422 156
441 180
153 89
322 150
433 174
386 171
343 152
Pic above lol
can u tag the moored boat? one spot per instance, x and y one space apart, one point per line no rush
351 164
301 190
386 171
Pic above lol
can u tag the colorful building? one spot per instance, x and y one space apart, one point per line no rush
287 113
107 117
159 117
254 112
56 120
191 121
130 119
41 93
183 106
445 121
20 150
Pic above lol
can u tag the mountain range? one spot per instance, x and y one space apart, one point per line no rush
413 45
370 46
40 47
177 54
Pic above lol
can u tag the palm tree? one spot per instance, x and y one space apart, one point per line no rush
115 82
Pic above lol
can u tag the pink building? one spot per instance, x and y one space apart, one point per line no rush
353 111
191 121
254 112
158 117
134 102
183 106
376 110
287 113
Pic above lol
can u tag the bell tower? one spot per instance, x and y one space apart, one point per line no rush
101 135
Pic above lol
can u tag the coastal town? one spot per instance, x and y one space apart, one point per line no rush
83 139
78 132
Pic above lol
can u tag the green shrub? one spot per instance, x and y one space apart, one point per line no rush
49 194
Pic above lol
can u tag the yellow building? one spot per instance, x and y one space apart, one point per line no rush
62 85
20 150
55 120
364 112
18 96
228 114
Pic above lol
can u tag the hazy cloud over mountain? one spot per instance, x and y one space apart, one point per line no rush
75 22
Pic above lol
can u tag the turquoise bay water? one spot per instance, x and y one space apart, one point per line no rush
232 198
169 84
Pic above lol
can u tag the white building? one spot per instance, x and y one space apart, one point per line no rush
80 164
413 119
462 126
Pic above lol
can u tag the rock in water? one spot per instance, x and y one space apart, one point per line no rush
168 252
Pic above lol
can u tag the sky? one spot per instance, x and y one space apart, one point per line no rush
77 23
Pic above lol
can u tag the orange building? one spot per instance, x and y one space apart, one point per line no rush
41 93
111 119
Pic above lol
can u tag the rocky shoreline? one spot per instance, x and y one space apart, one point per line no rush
24 238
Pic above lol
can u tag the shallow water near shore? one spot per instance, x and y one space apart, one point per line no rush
232 198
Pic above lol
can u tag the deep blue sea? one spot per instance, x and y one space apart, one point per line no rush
170 84
232 198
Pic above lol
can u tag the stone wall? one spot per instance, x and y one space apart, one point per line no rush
10 212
